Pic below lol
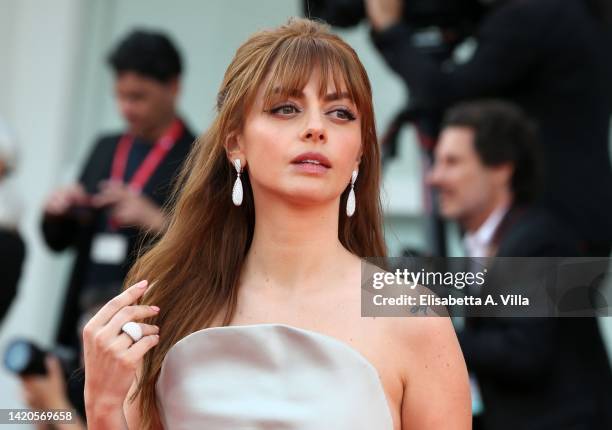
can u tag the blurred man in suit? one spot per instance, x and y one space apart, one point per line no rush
533 373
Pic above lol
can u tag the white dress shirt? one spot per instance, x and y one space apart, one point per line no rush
478 243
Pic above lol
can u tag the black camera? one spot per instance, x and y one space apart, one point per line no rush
438 25
25 358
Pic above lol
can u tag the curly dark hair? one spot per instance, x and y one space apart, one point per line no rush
503 133
148 53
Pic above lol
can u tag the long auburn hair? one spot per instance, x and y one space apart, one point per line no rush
194 267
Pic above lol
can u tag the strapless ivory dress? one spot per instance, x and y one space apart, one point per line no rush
269 377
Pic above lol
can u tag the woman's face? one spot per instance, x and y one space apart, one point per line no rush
302 148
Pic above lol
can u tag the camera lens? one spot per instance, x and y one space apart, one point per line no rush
24 358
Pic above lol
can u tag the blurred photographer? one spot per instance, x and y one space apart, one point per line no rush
128 177
551 57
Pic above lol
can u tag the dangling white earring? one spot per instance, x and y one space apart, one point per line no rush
237 190
350 202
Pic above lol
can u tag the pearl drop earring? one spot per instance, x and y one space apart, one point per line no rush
350 202
237 190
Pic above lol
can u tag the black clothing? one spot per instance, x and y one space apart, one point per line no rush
538 373
12 252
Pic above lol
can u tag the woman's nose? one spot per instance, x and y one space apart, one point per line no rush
314 130
314 135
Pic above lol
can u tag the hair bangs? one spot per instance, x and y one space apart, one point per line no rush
303 56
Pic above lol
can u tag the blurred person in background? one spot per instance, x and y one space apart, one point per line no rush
536 373
49 392
127 178
487 173
12 247
551 57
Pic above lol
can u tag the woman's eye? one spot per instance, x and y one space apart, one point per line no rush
344 114
284 110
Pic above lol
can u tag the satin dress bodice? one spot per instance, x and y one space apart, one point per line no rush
269 377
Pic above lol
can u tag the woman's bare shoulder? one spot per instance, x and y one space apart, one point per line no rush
421 331
411 334
376 281
418 334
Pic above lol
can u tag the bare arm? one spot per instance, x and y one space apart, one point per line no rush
126 418
436 385
131 410
109 417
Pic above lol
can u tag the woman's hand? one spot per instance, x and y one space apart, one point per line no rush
111 357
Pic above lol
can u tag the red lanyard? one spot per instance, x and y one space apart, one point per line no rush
148 166
150 163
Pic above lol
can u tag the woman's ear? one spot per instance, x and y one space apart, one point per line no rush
234 148
358 161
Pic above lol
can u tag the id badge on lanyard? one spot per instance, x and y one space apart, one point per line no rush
109 248
112 247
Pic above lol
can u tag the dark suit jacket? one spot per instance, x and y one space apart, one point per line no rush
12 250
69 232
539 373
551 57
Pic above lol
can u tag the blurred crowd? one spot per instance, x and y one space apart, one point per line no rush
518 136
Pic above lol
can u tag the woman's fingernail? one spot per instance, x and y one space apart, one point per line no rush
155 308
141 284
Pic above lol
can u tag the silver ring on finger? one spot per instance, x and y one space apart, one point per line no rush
133 330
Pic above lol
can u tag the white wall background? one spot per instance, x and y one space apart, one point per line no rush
55 91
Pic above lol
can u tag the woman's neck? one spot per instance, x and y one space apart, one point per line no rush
294 246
